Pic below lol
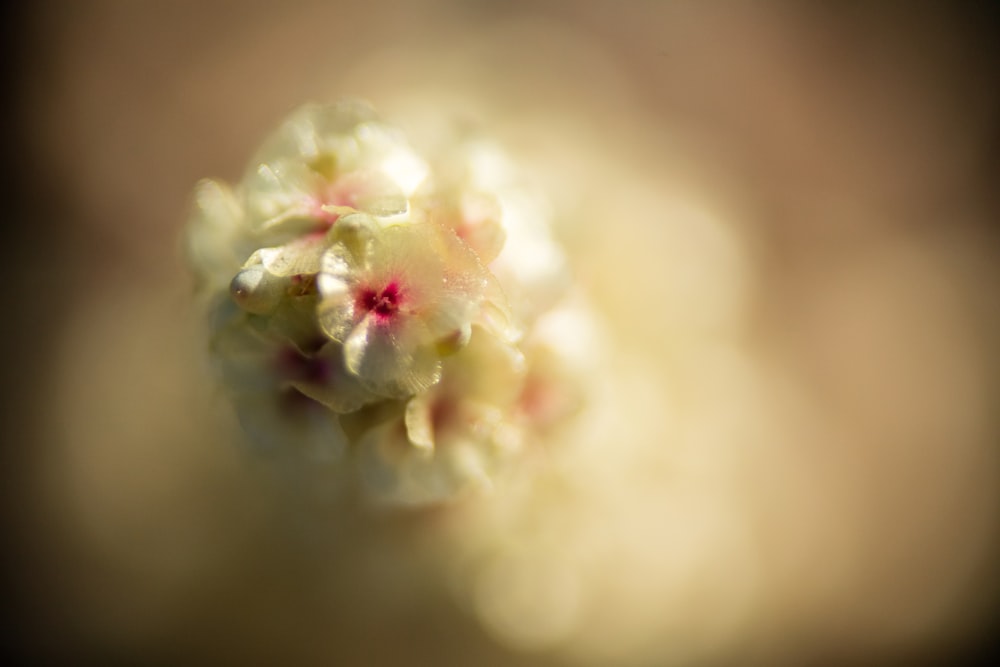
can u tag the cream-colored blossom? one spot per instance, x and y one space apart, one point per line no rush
455 436
276 389
477 190
217 241
360 304
475 217
461 198
399 298
325 162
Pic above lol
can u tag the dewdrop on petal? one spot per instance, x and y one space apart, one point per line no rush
374 309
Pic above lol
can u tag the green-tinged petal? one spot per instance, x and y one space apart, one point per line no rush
369 191
454 341
340 118
383 204
302 256
474 217
357 424
215 237
335 283
390 360
315 130
465 283
354 235
339 266
279 198
256 290
489 370
356 345
495 316
449 314
294 320
408 253
292 223
373 310
477 395
419 422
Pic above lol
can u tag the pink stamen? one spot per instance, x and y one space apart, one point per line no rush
384 303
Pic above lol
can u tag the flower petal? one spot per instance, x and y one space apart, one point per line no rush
256 290
390 360
369 191
489 370
335 282
419 422
294 320
278 199
333 385
315 130
215 239
301 256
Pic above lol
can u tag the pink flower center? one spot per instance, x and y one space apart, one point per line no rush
384 303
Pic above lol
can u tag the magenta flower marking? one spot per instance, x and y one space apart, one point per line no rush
384 303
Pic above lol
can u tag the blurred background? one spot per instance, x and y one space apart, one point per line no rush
784 212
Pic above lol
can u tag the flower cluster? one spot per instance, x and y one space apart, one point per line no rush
360 310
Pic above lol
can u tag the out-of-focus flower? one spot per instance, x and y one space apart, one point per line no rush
479 192
273 387
325 162
217 241
460 198
360 305
456 435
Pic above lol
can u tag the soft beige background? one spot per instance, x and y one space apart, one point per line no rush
786 212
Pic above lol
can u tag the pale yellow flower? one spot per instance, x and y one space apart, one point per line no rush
360 304
457 435
277 389
399 298
217 242
324 162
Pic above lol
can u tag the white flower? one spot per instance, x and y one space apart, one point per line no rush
455 436
399 298
277 389
357 304
325 162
